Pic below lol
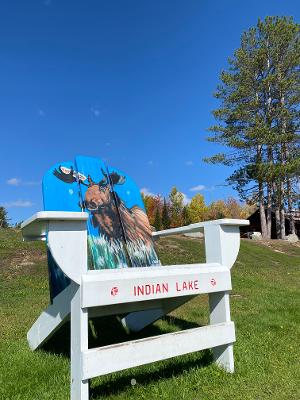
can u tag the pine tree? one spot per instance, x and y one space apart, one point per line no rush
157 220
259 118
186 219
165 218
3 218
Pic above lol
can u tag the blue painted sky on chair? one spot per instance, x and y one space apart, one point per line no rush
128 81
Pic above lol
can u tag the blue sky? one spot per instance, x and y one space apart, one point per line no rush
128 81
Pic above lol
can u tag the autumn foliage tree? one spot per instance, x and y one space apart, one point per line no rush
197 209
164 214
176 207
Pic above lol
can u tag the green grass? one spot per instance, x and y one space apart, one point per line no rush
265 304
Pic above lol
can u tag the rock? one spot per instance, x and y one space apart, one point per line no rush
292 238
194 234
256 236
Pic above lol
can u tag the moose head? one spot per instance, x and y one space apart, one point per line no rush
108 212
99 195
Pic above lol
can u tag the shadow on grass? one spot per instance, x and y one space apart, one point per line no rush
174 368
108 330
104 331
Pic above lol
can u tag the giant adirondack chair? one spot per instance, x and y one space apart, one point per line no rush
102 261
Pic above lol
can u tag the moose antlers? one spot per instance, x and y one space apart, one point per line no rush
113 179
68 175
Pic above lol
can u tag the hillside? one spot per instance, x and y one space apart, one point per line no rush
265 305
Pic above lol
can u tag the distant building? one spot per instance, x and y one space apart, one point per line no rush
255 224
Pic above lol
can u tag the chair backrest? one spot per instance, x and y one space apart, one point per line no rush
119 233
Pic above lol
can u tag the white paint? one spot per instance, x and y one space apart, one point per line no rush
138 293
136 321
52 318
79 345
199 226
67 238
141 284
219 313
36 227
107 359
67 242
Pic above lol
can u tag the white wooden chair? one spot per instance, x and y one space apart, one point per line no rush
142 294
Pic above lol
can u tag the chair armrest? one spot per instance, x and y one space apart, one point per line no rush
222 238
199 226
66 238
36 227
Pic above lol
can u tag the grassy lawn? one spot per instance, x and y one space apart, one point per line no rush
265 304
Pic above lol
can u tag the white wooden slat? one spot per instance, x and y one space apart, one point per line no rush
219 306
35 227
140 284
107 359
124 308
199 226
52 318
79 344
67 242
138 320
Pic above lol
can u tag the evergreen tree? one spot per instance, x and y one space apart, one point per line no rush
176 205
165 218
157 220
259 118
186 219
3 218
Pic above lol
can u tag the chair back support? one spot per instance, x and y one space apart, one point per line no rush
119 233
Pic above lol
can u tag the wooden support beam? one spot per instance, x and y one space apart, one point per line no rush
107 359
52 318
141 284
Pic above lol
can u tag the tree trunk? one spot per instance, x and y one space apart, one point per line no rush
282 212
283 155
263 222
269 194
290 207
269 211
277 211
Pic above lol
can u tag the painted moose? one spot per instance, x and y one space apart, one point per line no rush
108 211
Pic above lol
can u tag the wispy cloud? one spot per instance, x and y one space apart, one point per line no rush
31 183
197 188
97 111
18 204
147 192
13 181
47 2
150 162
41 113
19 182
186 199
189 163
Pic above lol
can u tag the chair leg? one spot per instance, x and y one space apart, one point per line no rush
220 312
79 343
51 319
138 320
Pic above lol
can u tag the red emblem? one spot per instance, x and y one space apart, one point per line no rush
114 291
213 282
